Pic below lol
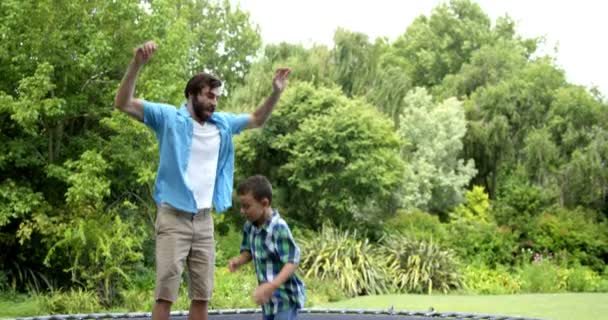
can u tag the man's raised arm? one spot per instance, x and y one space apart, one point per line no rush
259 116
124 100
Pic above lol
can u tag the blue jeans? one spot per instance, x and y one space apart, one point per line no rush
291 314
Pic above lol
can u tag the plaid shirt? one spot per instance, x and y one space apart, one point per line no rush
272 246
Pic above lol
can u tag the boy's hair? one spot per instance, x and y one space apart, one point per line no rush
259 187
199 81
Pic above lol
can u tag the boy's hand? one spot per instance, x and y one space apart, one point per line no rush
233 264
263 293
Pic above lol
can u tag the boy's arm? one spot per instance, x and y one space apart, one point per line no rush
287 270
235 263
264 291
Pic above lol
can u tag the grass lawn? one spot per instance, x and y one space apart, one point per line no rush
562 306
18 306
559 306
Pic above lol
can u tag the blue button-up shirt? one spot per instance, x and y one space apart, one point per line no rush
173 128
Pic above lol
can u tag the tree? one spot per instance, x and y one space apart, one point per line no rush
59 72
436 46
436 176
328 157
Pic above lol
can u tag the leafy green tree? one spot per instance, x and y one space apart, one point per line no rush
438 45
66 155
436 176
475 208
328 157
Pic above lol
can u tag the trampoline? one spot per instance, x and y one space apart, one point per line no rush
305 314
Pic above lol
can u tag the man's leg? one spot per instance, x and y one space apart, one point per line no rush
161 310
201 265
173 241
198 310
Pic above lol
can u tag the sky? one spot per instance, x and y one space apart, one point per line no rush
575 28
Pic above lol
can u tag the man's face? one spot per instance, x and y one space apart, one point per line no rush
253 210
204 103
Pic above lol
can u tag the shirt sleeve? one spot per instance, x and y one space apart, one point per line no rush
155 114
245 246
287 249
238 122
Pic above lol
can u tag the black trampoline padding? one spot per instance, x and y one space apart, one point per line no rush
306 314
311 316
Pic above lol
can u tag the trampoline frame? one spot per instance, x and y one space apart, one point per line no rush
388 312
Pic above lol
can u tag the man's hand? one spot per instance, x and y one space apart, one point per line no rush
143 53
280 79
234 264
263 292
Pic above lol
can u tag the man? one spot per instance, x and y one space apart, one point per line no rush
195 172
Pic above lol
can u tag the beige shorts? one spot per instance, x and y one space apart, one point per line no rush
184 237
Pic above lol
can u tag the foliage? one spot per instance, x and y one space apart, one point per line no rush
480 279
103 251
483 242
233 290
67 158
581 235
353 264
319 292
417 225
73 301
436 176
327 156
420 266
475 208
438 45
227 246
582 279
350 142
542 276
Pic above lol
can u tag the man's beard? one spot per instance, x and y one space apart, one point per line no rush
201 109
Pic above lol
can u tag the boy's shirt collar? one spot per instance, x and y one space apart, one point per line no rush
267 226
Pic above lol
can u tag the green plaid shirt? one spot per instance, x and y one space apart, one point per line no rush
272 246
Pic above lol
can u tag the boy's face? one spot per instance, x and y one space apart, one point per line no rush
252 209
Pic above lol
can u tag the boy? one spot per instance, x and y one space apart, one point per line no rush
267 241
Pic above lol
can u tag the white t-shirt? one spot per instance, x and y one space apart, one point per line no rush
202 165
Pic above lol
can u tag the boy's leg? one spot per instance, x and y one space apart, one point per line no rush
291 314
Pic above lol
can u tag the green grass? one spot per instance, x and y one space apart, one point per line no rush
12 306
565 306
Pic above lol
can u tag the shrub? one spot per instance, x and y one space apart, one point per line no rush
70 302
103 252
582 279
353 263
233 290
486 243
420 266
322 291
581 235
227 246
481 279
542 277
417 225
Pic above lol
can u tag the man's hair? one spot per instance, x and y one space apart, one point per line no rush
259 187
199 81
